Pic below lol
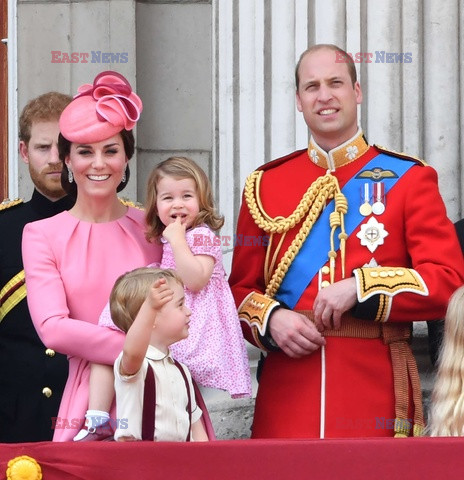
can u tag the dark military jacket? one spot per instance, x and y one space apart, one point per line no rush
32 377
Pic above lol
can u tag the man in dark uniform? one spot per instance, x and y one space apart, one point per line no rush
32 377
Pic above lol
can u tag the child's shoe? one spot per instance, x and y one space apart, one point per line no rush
103 433
97 427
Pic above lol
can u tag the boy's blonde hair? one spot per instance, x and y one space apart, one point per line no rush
180 168
130 291
447 411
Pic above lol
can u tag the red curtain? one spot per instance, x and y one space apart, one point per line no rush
418 458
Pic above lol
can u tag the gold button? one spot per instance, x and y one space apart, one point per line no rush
325 283
374 274
50 352
325 270
47 392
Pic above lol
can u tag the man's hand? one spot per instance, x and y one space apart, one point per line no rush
294 333
332 302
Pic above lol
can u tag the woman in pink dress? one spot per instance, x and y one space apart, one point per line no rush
72 260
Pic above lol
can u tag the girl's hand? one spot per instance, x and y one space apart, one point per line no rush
174 231
160 294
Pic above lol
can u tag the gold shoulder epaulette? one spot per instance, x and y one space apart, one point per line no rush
403 155
7 203
129 203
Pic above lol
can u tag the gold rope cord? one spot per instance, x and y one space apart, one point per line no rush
269 267
311 205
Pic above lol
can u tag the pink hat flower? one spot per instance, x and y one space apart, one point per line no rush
101 110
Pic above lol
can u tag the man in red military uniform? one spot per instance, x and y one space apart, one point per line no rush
359 247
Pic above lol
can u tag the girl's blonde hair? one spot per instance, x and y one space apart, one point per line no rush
447 410
180 168
130 291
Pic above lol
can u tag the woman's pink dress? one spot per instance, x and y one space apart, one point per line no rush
71 267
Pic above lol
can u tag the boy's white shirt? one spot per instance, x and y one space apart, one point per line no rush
171 418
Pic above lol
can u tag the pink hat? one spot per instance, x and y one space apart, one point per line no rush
101 110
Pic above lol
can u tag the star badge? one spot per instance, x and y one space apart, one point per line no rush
372 234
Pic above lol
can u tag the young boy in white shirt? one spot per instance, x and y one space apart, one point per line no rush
148 304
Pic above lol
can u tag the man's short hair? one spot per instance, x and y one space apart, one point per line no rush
347 59
45 108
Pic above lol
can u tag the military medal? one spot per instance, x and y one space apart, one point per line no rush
372 234
379 204
365 209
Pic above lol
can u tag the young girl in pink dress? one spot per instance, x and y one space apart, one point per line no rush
180 215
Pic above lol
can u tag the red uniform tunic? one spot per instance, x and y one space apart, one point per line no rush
360 399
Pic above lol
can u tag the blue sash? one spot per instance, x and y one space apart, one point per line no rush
313 253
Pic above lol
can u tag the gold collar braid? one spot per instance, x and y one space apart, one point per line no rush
311 205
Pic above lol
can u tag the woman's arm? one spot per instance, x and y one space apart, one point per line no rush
49 310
